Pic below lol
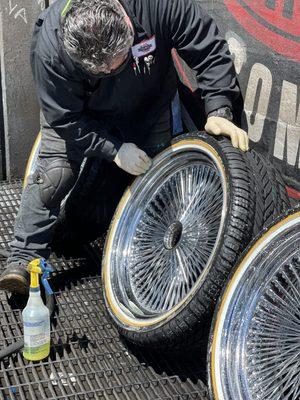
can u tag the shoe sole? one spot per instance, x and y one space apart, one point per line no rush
15 284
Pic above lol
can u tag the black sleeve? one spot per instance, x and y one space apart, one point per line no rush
61 99
195 36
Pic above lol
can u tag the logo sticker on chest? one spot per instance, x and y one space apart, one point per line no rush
143 48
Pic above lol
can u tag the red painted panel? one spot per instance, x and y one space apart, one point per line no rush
277 28
294 194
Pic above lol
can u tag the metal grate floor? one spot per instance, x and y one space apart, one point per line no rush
88 359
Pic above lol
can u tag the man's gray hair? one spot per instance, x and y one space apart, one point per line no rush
94 32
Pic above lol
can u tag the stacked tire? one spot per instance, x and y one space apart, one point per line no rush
175 234
271 195
254 344
236 202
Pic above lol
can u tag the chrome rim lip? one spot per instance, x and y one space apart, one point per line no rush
119 313
221 330
31 165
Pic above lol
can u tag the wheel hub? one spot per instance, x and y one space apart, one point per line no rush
173 235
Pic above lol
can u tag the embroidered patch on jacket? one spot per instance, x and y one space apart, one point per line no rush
143 48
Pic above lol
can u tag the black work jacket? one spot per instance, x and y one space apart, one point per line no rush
83 108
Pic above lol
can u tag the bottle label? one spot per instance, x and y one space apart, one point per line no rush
36 350
36 335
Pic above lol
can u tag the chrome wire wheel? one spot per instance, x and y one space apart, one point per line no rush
255 351
164 235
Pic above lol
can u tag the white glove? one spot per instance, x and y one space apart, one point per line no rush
222 126
132 159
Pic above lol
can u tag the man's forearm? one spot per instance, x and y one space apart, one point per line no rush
88 135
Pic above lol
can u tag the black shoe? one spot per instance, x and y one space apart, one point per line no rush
15 278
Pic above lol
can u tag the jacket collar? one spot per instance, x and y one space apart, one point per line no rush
139 32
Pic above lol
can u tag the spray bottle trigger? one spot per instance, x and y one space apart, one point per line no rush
47 286
46 268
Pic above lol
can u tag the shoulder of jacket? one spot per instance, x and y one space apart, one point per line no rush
49 46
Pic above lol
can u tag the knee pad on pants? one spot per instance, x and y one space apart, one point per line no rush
55 180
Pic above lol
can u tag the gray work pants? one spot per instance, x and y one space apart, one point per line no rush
57 170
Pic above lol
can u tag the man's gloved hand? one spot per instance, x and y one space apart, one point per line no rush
132 159
222 126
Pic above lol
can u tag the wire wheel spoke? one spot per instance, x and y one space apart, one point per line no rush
274 337
173 237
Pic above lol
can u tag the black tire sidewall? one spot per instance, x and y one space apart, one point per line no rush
195 311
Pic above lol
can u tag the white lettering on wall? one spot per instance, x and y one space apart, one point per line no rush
238 49
288 127
16 11
257 100
41 3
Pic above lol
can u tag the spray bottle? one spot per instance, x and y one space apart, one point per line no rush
36 316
